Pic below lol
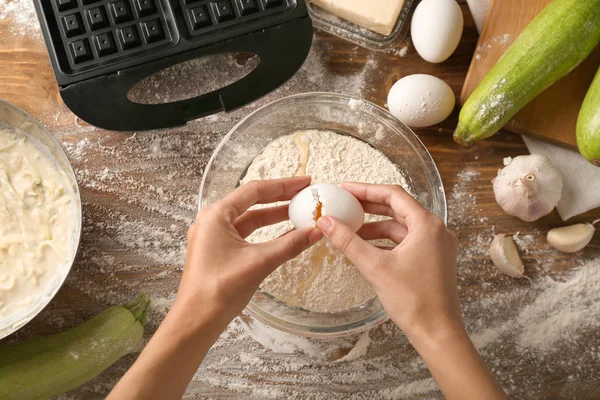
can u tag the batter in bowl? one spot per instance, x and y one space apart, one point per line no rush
37 221
321 279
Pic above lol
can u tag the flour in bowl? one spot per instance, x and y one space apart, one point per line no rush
321 279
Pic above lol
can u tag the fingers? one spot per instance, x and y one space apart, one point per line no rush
252 220
347 242
288 246
389 229
381 209
378 209
402 203
262 192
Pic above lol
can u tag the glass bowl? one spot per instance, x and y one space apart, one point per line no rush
13 117
322 111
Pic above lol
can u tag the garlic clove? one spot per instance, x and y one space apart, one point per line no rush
570 239
528 187
505 255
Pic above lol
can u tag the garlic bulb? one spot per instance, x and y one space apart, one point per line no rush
505 255
529 187
570 239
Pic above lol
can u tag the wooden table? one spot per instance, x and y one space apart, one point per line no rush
139 194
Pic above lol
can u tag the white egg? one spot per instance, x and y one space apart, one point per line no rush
436 29
421 100
334 201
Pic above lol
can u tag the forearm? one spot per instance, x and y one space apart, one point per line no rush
455 364
171 358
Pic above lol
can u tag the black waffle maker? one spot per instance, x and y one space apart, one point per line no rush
100 49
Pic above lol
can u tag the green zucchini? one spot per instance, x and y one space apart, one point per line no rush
558 39
43 367
588 124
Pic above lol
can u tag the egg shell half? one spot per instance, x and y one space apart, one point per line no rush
421 100
436 28
337 202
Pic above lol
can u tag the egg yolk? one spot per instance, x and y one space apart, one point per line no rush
318 210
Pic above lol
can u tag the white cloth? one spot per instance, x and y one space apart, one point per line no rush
581 180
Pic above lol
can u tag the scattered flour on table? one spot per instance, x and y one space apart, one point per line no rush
340 362
464 216
462 207
562 310
516 324
321 279
499 40
23 20
403 51
418 387
526 243
474 265
550 317
150 180
359 349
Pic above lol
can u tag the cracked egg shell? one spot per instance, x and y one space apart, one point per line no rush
334 201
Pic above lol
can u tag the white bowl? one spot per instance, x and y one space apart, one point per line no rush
13 116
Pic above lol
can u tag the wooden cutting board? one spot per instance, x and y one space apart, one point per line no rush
553 114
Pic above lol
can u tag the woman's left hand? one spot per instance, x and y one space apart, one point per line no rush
222 269
222 272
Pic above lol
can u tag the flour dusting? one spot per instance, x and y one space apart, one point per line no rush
562 310
21 16
465 210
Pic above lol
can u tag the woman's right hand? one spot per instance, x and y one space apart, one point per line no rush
416 283
416 280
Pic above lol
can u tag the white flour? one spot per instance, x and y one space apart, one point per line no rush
562 310
321 279
500 40
463 198
22 17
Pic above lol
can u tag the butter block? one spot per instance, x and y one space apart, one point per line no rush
378 16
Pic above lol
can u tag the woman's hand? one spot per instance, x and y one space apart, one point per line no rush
222 272
222 269
416 283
